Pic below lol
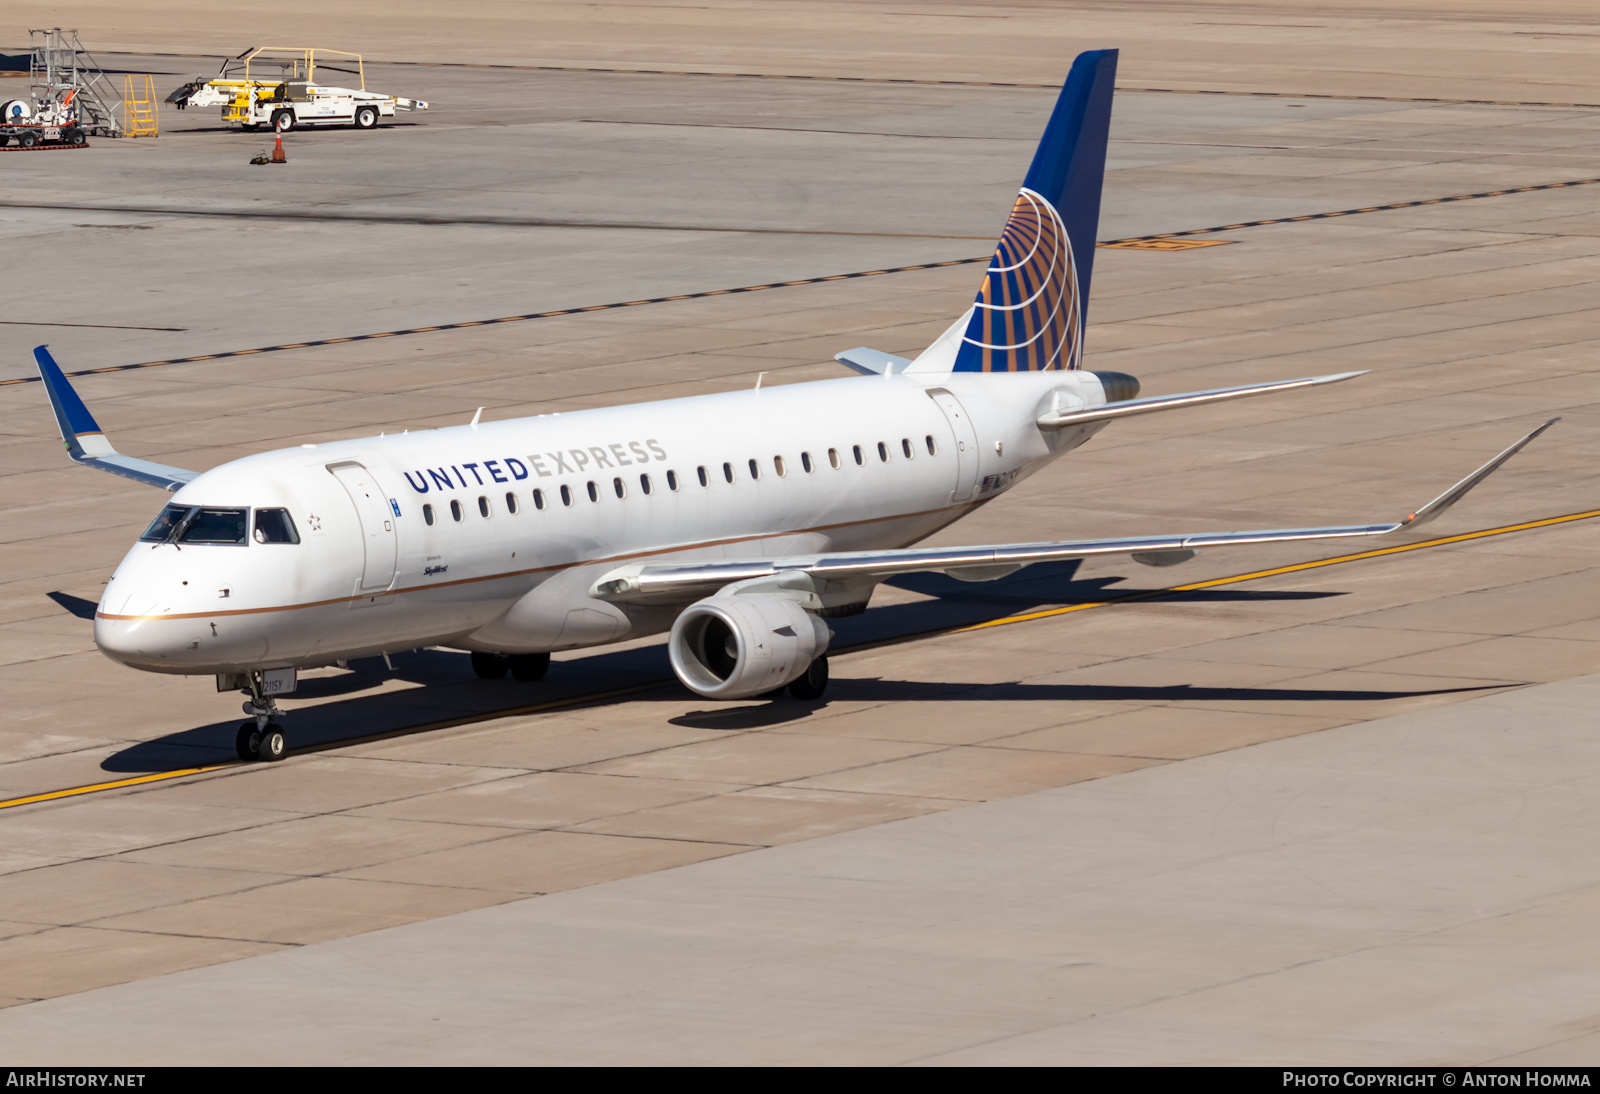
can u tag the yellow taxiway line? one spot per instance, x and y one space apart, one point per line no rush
115 784
578 700
1253 575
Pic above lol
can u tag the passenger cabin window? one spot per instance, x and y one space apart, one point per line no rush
566 494
276 526
538 499
905 446
162 528
672 481
883 452
644 483
833 458
777 465
703 480
594 491
483 506
805 461
755 470
427 514
215 526
619 488
511 502
727 471
929 439
856 450
455 509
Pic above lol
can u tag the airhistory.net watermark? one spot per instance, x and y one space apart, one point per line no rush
52 1078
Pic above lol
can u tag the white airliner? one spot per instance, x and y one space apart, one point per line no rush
738 522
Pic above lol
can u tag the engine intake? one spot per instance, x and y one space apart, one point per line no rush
733 647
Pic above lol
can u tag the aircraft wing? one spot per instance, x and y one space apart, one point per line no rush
87 443
667 583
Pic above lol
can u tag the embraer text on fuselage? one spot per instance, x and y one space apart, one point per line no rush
565 461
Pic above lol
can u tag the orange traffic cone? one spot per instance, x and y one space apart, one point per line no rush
277 148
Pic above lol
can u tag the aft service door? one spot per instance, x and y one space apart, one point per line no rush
377 523
966 443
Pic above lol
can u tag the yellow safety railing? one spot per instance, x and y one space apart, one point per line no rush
140 115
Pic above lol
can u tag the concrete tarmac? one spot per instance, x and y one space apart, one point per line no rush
418 792
1413 890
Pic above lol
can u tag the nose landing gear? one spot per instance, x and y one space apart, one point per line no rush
261 738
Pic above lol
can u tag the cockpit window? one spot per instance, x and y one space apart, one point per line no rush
215 526
276 526
162 528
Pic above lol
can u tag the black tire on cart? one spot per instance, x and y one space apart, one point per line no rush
366 117
27 139
283 120
75 136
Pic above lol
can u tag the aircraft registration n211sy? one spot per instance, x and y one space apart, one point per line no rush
739 521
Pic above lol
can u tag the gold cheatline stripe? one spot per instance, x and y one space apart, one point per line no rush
595 697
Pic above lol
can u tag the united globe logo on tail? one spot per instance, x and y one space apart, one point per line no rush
1029 314
1027 317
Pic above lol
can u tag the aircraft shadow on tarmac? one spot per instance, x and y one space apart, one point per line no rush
74 605
438 685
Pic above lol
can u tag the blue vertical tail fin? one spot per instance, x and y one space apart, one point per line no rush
1029 313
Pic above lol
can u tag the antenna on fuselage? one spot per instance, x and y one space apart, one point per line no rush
476 416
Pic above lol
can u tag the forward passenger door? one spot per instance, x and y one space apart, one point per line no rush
373 508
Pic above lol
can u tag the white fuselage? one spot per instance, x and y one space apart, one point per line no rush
370 575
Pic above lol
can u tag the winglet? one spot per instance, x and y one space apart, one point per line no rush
1459 490
87 443
72 417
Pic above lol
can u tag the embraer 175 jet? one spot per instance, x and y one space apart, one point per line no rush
739 521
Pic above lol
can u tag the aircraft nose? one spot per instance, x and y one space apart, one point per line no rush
135 624
129 640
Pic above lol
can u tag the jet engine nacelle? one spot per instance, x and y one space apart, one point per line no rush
733 647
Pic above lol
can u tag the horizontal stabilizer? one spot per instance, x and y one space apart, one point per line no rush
1056 419
87 443
872 362
670 583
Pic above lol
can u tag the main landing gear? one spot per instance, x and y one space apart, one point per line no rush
261 738
812 683
526 667
808 688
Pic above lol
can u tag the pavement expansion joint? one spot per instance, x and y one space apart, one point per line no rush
1163 241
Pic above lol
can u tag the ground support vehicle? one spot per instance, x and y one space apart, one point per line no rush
42 138
30 124
251 94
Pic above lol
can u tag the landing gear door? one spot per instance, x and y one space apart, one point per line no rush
378 536
965 441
